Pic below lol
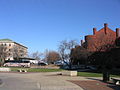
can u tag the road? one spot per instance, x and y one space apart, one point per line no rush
37 81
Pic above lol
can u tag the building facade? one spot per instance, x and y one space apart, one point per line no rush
99 39
12 50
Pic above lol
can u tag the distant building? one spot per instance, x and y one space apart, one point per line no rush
104 36
101 41
13 49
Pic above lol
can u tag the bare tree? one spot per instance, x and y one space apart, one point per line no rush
18 52
102 57
3 54
79 55
52 56
46 54
64 49
36 55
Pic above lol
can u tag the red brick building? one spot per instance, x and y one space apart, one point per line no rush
104 36
101 40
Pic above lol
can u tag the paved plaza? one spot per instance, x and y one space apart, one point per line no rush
37 81
51 81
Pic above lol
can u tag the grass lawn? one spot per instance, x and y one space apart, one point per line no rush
36 69
89 74
83 74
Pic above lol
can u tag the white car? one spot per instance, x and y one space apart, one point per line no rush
14 63
34 61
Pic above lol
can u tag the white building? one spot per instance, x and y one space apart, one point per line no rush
13 49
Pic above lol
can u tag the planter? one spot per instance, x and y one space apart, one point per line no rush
5 69
69 73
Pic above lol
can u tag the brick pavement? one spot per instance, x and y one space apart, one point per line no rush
95 85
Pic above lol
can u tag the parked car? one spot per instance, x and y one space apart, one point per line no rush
59 63
11 64
17 63
25 63
42 63
91 67
34 62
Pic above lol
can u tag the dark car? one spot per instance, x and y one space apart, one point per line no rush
42 63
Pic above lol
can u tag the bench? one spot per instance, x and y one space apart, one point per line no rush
116 81
22 70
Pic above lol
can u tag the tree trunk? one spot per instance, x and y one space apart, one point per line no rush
106 75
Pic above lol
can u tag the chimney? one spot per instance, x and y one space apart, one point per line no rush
82 42
105 27
117 32
94 31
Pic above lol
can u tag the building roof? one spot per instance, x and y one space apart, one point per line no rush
6 40
100 38
10 41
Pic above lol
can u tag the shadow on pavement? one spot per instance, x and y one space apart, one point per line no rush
109 84
1 81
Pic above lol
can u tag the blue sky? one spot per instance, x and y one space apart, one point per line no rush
42 24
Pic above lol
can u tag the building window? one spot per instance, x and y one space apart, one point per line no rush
5 44
5 49
9 54
9 44
9 49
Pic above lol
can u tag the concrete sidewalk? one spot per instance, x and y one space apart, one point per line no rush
52 81
38 81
